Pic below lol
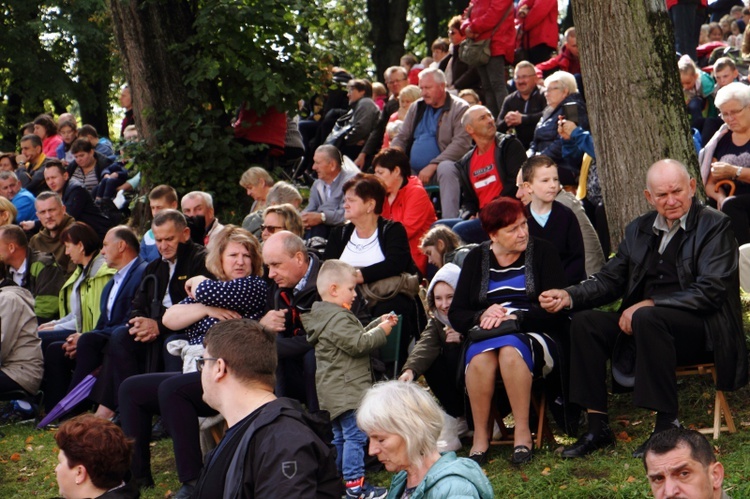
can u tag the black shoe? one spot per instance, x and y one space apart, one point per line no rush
158 432
479 457
185 492
521 455
590 442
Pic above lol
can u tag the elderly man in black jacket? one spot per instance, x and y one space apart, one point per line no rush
676 270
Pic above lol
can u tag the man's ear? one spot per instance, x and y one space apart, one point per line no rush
649 198
716 471
185 234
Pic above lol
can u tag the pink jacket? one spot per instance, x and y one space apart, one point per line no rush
540 24
484 16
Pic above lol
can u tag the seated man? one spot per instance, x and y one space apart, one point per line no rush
31 149
23 200
51 212
31 270
294 272
88 166
198 206
273 447
161 197
102 145
522 109
676 272
120 250
21 365
77 200
326 206
681 463
163 285
434 138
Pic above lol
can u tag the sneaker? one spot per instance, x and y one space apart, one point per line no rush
16 411
358 489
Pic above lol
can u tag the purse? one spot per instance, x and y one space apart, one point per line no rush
477 333
477 52
385 289
343 127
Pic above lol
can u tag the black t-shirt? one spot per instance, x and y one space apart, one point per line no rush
728 152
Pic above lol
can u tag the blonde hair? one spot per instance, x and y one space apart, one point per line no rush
290 215
410 92
333 272
8 207
254 175
233 234
406 410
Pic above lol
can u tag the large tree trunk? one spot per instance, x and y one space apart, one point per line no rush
634 98
388 21
145 31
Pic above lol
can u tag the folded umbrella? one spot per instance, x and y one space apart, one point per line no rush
78 394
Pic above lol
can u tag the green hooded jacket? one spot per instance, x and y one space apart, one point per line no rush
450 476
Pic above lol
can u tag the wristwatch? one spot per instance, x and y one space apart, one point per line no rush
322 217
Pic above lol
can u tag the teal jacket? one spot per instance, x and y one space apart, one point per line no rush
450 476
342 355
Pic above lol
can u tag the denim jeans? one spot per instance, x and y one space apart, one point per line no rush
350 446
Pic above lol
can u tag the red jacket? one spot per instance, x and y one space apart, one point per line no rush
672 3
484 16
413 208
565 61
540 24
270 128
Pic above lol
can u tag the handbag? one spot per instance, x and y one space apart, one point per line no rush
511 326
477 52
341 129
388 288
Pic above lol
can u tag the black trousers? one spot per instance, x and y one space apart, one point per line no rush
664 338
179 399
441 378
737 209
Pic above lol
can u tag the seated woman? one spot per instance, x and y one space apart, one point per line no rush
727 157
355 126
93 459
437 354
257 182
281 217
500 281
79 308
408 95
8 212
406 201
403 423
235 258
561 89
378 249
441 246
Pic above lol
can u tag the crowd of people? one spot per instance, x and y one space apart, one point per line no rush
454 208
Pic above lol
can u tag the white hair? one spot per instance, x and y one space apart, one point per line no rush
437 75
734 91
206 197
406 410
566 79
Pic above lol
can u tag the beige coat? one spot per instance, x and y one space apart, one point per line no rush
20 346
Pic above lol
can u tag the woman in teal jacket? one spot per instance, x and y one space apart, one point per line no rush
403 423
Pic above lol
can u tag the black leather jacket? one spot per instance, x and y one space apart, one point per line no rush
707 268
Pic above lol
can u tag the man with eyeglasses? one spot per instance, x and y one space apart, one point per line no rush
396 78
273 447
522 109
326 206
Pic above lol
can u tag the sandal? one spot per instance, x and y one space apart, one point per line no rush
521 455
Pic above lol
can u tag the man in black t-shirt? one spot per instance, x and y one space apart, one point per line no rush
273 448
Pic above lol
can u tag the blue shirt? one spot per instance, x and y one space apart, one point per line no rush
24 203
425 146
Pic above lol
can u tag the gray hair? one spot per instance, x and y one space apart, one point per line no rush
254 175
467 119
174 216
206 197
406 410
44 196
283 192
8 176
437 75
332 152
734 91
395 69
566 79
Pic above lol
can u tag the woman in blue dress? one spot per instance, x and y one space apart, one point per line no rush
501 280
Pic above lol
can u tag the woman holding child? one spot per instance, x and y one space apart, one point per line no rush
500 281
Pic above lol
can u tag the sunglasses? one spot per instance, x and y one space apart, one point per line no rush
270 228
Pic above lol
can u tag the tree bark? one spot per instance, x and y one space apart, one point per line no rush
634 98
145 32
388 21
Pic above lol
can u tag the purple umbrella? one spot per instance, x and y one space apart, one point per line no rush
79 393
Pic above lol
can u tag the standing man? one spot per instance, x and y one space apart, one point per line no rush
326 206
434 139
22 199
522 109
273 448
676 272
51 213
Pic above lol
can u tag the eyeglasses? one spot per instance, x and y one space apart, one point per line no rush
731 114
452 31
395 81
199 361
270 228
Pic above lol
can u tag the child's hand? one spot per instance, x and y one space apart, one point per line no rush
390 318
452 336
386 326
